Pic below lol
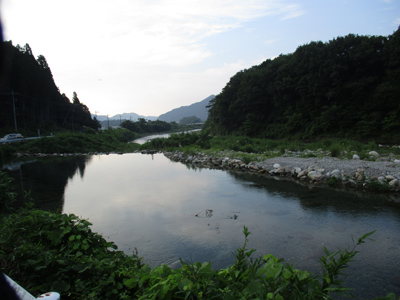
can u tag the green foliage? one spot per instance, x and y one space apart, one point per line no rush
376 186
102 141
333 181
334 263
48 251
7 196
335 151
189 120
146 126
345 88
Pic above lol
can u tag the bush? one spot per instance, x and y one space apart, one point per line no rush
103 141
335 151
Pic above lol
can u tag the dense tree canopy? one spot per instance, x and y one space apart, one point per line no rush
189 120
28 92
348 86
146 126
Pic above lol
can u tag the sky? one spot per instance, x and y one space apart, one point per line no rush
151 56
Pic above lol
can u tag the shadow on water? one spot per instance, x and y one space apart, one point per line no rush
321 198
45 179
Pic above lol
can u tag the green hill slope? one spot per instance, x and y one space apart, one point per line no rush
347 87
37 101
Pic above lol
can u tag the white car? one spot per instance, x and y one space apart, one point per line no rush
12 137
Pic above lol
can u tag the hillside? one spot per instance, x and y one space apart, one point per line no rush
197 109
30 99
347 87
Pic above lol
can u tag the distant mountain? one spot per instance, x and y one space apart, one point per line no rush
125 116
197 109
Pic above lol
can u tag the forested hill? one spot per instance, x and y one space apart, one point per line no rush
347 87
37 101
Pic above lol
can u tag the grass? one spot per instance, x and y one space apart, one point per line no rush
256 149
246 148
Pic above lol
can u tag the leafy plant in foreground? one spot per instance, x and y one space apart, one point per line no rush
48 251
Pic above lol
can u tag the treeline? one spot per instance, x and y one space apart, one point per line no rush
30 98
146 126
347 87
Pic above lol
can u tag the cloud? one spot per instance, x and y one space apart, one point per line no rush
291 11
136 47
149 32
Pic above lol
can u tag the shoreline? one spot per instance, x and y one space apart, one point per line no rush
354 174
381 175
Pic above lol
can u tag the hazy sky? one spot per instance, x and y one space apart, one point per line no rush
151 56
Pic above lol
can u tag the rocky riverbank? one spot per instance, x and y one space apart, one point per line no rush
382 175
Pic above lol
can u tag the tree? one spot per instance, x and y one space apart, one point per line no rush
42 62
75 99
344 87
27 49
189 120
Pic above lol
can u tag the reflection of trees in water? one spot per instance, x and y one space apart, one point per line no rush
319 199
46 179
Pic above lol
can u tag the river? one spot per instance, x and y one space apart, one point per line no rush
169 210
145 139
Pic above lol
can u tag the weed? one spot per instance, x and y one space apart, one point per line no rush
376 186
333 181
335 151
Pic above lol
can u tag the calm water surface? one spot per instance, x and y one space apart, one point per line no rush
168 210
145 139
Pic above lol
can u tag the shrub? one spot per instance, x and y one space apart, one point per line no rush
335 151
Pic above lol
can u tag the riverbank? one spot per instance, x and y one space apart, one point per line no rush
377 174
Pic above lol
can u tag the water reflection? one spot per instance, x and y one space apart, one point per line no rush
317 198
169 211
148 138
45 179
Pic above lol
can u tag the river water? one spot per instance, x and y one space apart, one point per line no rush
169 210
146 139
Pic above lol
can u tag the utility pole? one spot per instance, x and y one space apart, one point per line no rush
14 111
15 118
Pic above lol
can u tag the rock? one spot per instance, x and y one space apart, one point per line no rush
350 183
302 173
314 175
383 159
390 177
336 173
381 179
397 161
253 167
281 170
356 157
276 166
374 153
296 170
393 183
